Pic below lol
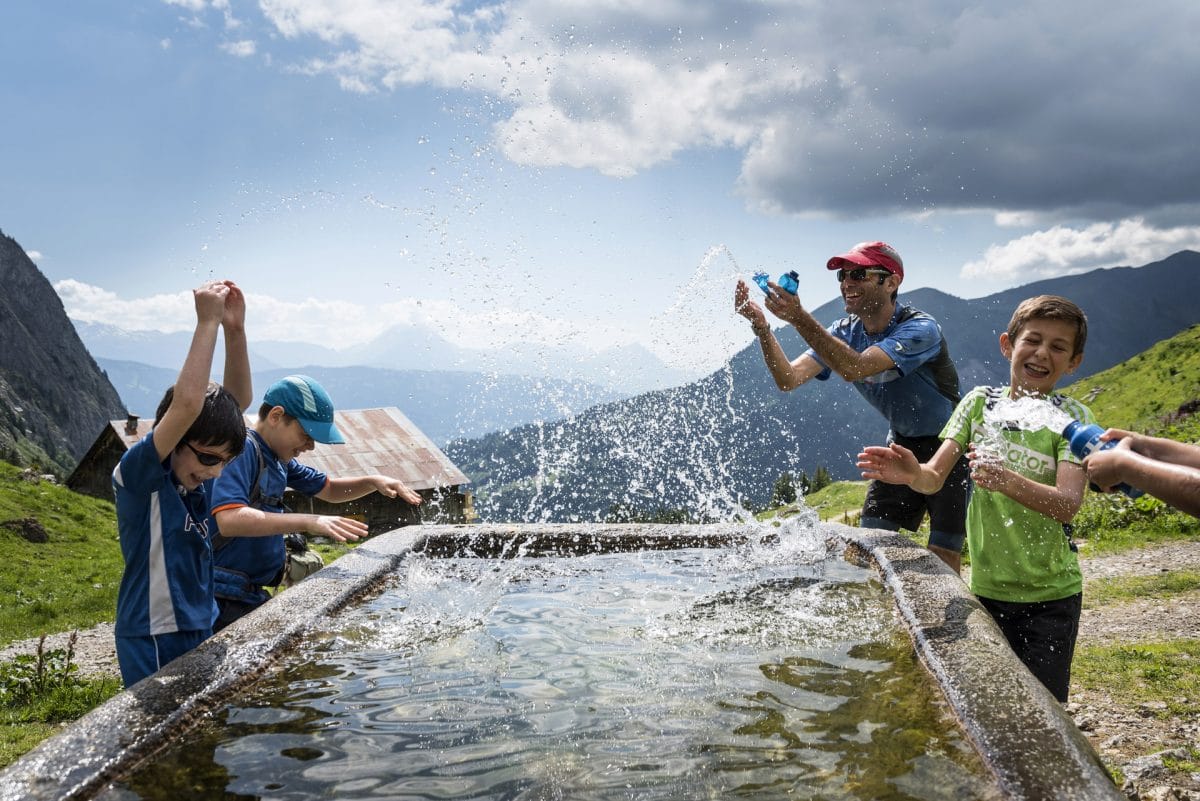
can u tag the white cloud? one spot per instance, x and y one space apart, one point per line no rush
342 324
1062 250
35 256
1019 107
242 49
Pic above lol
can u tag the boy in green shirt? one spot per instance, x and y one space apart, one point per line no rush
1028 486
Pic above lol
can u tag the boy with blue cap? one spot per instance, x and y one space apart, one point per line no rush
250 553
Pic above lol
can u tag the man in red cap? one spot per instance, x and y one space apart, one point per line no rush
897 359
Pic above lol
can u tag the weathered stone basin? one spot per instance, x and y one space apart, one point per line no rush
1027 743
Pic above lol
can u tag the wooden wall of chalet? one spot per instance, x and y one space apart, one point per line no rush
93 475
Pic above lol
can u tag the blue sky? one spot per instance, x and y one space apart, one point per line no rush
584 173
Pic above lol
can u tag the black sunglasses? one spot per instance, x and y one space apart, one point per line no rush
206 459
860 274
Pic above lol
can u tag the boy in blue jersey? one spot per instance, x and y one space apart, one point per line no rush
898 360
250 552
164 604
1028 487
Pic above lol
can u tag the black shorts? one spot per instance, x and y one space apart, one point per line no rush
900 506
1042 635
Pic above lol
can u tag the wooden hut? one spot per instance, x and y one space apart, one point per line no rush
377 441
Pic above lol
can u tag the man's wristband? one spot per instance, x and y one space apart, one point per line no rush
759 330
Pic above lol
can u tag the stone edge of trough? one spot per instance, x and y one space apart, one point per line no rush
1023 735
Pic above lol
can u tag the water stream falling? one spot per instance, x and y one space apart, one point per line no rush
698 450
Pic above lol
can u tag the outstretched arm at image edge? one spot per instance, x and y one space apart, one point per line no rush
1174 484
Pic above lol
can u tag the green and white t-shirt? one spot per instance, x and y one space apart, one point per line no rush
1017 554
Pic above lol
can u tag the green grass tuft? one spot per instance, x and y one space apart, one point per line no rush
1107 591
1153 672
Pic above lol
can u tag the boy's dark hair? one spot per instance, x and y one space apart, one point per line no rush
265 410
1050 307
220 422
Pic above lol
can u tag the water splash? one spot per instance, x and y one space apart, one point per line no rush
1027 413
690 453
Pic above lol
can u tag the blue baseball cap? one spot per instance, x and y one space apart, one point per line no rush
306 400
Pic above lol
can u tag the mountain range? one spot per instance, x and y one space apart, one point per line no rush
716 443
614 373
444 404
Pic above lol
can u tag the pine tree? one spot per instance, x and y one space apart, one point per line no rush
784 491
821 479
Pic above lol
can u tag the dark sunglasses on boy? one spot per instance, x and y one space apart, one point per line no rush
206 459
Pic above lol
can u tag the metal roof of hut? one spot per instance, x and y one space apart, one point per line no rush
381 440
385 441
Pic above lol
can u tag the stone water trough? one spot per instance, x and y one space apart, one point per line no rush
1024 739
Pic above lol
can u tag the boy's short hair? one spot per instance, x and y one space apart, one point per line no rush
220 422
1050 307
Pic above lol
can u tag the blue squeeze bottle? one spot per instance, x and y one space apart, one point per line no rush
788 282
1085 440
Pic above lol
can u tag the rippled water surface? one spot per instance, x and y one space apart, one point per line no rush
760 672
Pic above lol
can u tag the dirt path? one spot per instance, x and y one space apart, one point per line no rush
1135 737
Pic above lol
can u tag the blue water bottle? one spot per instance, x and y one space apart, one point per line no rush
788 282
1085 440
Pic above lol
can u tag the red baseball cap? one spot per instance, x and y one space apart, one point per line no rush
869 254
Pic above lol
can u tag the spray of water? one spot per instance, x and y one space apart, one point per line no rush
1027 413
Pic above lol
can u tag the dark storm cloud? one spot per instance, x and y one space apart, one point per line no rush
1075 108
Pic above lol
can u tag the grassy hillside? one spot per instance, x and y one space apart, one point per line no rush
70 580
1157 391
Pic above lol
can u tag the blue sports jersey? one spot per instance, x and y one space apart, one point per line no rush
260 558
915 394
164 533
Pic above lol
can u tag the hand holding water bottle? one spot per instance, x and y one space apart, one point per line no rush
1106 465
1105 453
781 299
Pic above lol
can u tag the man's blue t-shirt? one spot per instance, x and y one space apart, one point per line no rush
260 558
907 395
165 540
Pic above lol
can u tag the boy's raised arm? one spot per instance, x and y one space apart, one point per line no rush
236 378
191 385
